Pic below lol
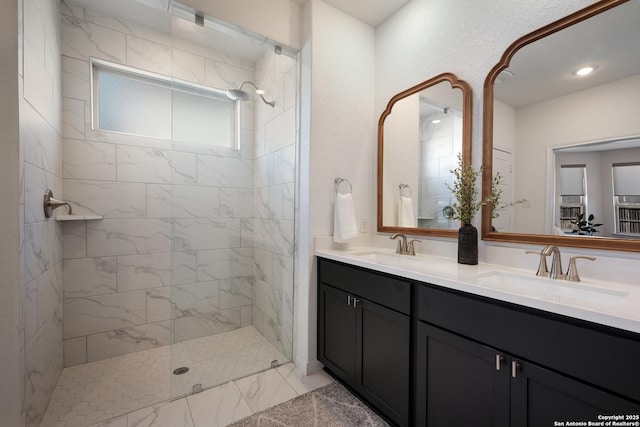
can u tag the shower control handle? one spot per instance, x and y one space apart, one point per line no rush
50 203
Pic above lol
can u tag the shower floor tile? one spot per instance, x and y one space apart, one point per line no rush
97 391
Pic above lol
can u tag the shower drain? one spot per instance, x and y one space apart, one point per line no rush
181 370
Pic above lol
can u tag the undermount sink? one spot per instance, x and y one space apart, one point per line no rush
561 291
376 256
433 265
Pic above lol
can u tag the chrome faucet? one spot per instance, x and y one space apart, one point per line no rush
556 264
402 247
556 261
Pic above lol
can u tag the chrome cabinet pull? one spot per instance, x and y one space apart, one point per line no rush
499 360
355 302
514 368
349 299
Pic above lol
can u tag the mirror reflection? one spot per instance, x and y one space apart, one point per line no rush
564 119
597 189
420 137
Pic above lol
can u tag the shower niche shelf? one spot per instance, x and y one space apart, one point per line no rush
78 217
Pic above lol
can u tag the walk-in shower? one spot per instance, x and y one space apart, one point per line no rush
187 280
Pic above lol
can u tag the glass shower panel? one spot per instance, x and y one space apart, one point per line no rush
191 269
232 210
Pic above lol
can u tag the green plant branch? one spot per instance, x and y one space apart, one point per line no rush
466 193
496 194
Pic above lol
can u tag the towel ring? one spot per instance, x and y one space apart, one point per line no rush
402 187
339 181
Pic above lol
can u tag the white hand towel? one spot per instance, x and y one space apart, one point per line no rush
405 212
344 218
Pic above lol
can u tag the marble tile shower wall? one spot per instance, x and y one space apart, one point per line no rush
41 251
275 172
173 258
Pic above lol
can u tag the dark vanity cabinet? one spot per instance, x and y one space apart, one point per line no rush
565 370
364 335
451 358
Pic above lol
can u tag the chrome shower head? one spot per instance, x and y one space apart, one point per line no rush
237 95
240 95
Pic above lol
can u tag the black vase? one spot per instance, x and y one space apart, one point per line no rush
468 245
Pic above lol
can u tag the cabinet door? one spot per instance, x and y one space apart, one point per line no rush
337 332
539 397
383 355
459 382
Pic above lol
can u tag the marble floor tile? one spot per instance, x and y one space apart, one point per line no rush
218 406
166 414
265 390
107 390
303 384
215 407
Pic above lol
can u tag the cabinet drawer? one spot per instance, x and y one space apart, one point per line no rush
377 287
599 355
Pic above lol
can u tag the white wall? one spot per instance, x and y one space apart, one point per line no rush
504 126
337 139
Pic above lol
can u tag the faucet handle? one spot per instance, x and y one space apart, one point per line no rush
411 250
572 272
543 270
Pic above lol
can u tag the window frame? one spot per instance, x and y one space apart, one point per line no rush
96 65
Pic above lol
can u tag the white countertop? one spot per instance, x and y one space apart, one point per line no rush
611 304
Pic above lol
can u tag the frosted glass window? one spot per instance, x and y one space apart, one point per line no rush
626 179
146 104
134 106
203 119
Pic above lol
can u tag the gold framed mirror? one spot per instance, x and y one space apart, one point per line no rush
420 135
567 135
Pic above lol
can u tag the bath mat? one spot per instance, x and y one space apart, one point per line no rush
331 405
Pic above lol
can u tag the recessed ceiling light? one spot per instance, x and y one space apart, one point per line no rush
435 121
584 71
504 76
